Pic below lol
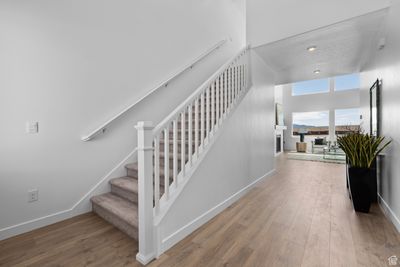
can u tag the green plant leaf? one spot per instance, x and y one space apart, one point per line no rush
361 149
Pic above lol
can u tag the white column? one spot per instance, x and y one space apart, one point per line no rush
145 190
332 135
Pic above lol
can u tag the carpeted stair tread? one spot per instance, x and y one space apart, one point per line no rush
132 166
125 187
119 207
126 183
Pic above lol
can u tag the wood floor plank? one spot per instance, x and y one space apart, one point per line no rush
301 216
341 235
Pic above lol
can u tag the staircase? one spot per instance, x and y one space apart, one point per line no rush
120 206
169 154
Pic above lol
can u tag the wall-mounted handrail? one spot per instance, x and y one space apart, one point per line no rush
165 83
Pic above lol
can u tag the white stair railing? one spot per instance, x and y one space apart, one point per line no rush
178 142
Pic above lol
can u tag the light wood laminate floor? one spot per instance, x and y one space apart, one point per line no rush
301 216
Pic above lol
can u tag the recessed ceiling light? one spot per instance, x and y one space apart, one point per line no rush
311 48
317 71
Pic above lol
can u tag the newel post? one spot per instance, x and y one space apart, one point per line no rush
145 192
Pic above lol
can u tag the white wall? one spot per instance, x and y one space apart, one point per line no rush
385 65
278 94
269 21
243 153
71 65
315 102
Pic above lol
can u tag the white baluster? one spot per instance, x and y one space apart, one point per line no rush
190 135
196 127
175 152
236 82
207 113
217 102
233 85
221 101
226 91
202 121
166 163
240 78
229 89
156 175
243 77
246 77
145 191
183 143
212 107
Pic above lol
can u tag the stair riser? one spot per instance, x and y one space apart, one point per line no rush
134 174
171 147
193 128
117 222
171 162
161 176
179 126
187 125
130 196
179 136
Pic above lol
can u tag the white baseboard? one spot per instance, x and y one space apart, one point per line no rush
144 259
180 234
34 224
81 206
389 212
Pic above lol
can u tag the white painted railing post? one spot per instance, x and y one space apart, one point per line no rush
145 190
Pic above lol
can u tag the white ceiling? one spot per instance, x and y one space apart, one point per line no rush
342 48
272 20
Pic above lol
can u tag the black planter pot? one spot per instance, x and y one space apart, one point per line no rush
360 180
373 186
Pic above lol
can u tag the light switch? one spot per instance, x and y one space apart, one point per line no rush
32 127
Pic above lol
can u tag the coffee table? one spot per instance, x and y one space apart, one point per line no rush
334 153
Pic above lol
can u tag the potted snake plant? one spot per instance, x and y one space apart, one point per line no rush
361 151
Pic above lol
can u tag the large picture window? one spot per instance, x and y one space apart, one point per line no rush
310 87
347 82
347 120
311 123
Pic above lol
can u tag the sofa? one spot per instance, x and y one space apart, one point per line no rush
318 145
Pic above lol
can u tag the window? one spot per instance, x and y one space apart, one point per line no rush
311 123
347 120
347 82
310 87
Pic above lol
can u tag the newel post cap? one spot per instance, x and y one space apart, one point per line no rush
144 125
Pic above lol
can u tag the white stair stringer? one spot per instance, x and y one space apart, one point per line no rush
175 191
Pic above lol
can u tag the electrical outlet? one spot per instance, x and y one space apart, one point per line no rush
33 195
